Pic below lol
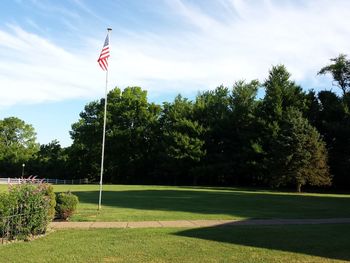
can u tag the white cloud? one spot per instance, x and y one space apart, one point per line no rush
34 70
216 48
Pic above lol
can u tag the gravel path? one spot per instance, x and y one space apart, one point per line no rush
196 223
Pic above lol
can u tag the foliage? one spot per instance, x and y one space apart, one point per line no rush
51 161
7 202
66 205
333 122
17 145
226 136
300 154
49 192
340 71
213 140
182 142
281 94
26 210
131 141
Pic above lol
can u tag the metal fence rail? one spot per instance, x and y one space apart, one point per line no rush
16 225
45 180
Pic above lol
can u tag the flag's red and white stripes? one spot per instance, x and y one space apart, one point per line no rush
103 59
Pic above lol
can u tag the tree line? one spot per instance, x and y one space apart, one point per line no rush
227 136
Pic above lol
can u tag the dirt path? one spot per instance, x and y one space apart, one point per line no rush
196 223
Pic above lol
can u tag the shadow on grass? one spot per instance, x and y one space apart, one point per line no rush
232 203
328 241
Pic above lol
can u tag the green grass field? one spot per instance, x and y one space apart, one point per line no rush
292 243
142 203
326 243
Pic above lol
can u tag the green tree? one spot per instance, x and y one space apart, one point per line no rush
300 154
51 161
281 93
334 125
85 152
17 145
212 111
130 137
340 71
183 145
246 148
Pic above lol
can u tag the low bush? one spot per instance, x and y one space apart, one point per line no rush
52 196
25 210
66 205
7 202
32 208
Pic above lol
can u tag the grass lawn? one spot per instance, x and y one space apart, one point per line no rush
312 243
142 203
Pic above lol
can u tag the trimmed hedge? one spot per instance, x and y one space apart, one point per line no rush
66 205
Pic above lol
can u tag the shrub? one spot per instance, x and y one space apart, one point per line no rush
52 196
7 202
31 212
66 205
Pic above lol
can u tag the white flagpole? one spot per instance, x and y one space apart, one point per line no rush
104 130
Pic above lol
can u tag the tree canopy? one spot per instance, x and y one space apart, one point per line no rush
340 71
284 137
17 145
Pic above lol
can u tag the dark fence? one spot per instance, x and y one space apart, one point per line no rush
17 225
45 180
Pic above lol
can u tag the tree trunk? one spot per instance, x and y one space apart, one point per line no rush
299 187
195 180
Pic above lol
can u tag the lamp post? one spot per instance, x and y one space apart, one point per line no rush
23 165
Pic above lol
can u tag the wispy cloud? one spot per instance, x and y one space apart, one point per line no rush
265 33
34 70
231 40
89 11
53 7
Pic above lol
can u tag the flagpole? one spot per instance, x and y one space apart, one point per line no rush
104 134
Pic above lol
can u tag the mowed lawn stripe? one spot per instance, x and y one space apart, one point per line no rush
147 203
312 243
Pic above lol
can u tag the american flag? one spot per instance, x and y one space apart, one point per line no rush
103 59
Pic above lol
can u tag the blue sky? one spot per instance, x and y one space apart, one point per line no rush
48 50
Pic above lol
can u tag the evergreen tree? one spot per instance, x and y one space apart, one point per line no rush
182 141
281 93
212 110
300 154
245 152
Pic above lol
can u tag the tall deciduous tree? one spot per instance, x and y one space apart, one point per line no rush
340 71
131 143
51 161
17 144
130 136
